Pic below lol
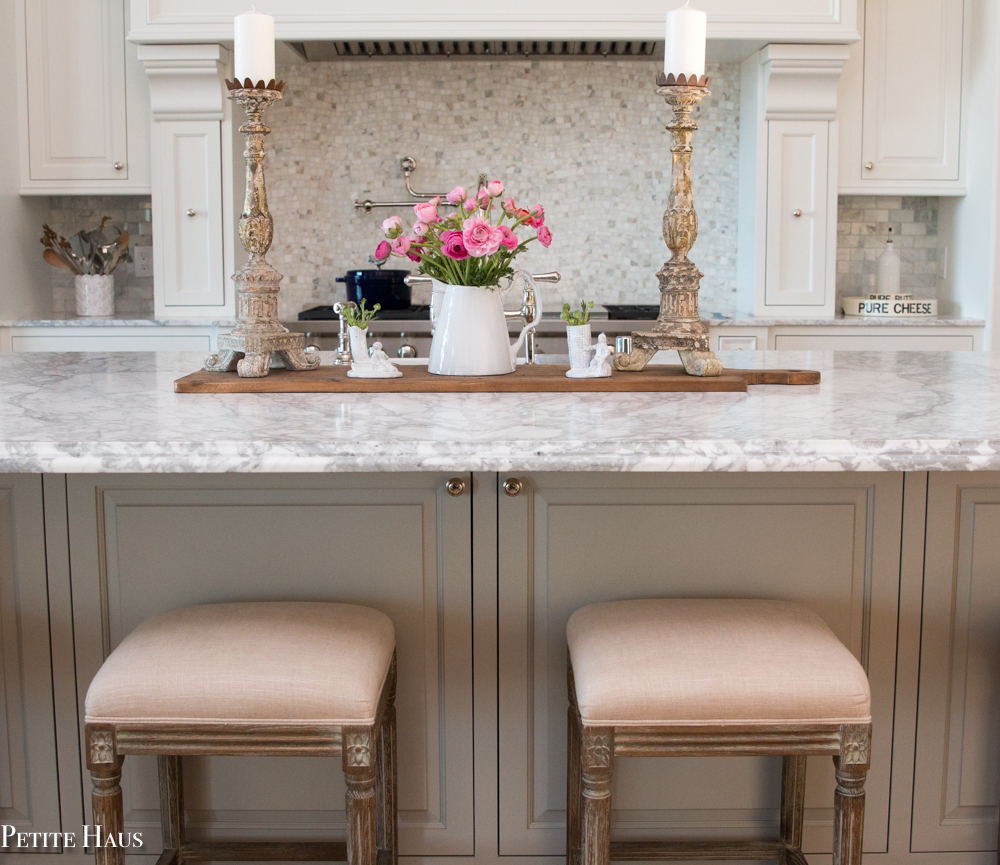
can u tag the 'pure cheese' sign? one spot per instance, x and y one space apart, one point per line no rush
890 307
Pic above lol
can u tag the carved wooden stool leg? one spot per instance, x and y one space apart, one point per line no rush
108 810
385 779
359 772
574 786
598 749
793 794
848 813
171 807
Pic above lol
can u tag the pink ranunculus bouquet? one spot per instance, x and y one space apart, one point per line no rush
474 245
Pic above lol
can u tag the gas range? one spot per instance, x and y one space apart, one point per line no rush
419 312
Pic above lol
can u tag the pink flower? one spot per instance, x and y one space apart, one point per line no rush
453 245
544 236
470 204
427 211
509 206
509 238
414 256
393 223
495 188
480 237
537 216
382 251
458 195
483 197
419 229
401 245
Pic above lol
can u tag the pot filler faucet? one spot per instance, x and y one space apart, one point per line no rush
527 310
408 165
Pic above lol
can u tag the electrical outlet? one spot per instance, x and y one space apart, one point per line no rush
142 258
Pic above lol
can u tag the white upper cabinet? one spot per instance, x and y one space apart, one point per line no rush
764 20
907 138
74 89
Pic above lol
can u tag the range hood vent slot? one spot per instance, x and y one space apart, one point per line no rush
467 49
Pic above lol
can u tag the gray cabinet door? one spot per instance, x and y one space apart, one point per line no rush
29 783
956 782
396 542
831 541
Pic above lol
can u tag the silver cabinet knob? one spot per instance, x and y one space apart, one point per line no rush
796 213
455 487
512 486
406 351
191 212
869 165
119 166
311 349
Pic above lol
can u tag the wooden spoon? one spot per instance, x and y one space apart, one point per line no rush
56 260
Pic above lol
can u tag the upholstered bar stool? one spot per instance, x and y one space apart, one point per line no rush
251 679
671 678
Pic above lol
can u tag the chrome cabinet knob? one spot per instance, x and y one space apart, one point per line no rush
796 213
119 166
311 349
191 212
406 351
455 487
869 165
512 486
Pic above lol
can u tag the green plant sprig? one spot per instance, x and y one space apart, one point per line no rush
359 316
574 317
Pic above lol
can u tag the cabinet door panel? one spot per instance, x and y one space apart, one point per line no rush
29 794
397 543
795 269
570 540
911 130
957 777
75 53
188 260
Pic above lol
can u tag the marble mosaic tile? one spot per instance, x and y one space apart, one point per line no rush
586 139
863 223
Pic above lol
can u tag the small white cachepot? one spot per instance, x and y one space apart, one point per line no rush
470 330
95 294
580 347
359 344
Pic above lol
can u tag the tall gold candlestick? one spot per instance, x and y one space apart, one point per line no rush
258 331
678 326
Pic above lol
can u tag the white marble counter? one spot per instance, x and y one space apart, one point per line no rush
71 412
117 321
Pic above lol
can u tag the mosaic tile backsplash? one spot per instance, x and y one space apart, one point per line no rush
70 213
863 223
585 139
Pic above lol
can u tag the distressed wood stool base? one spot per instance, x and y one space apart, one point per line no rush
592 752
368 759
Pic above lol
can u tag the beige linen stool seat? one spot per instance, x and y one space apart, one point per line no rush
670 678
251 679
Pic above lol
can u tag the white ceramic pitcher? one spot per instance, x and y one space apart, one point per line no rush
470 329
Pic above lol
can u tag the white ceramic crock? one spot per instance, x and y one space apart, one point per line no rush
95 294
359 344
470 331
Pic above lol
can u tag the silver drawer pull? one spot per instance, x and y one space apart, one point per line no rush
796 213
119 166
191 212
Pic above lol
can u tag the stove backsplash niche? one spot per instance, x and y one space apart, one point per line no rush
584 138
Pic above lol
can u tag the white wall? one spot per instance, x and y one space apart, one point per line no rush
972 259
25 287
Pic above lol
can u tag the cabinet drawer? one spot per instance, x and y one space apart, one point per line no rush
851 342
74 342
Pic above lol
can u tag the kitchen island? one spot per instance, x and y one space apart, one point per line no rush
478 523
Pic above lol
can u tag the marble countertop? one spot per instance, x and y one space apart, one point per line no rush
733 321
117 321
71 412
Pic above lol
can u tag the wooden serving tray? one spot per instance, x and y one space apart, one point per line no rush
528 378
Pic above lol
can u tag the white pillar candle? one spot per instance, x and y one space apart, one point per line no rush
684 44
254 47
